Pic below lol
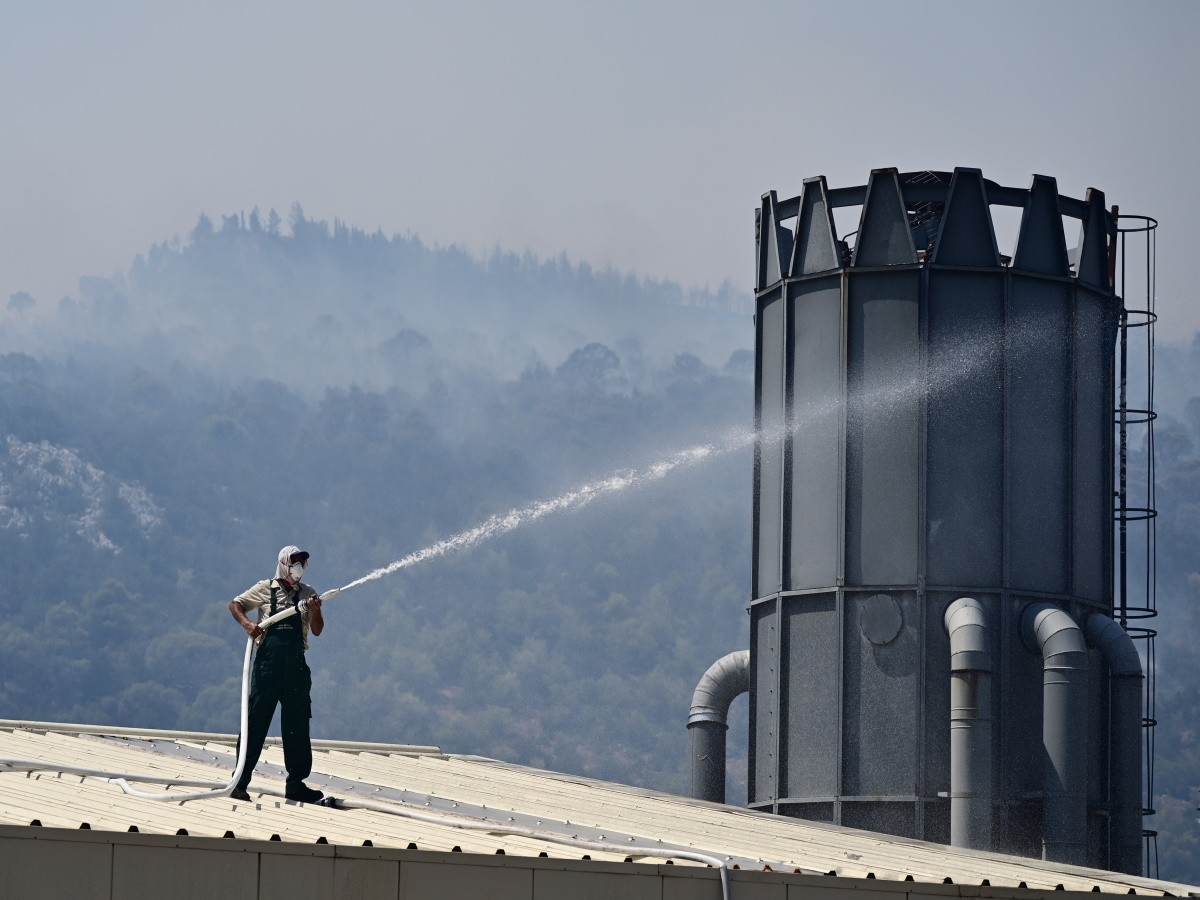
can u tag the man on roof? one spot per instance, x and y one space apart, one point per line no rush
281 676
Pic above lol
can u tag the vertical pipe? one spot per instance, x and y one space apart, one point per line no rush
1064 730
719 686
970 725
1124 741
708 760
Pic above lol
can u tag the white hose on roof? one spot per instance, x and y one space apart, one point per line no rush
223 790
394 809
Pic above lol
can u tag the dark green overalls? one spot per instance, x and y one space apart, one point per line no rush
280 676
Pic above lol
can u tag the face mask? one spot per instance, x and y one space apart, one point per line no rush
295 572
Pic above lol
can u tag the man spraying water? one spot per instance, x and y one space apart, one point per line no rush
281 675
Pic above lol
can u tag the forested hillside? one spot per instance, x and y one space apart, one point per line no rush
164 432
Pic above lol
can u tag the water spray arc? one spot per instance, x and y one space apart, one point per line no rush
574 499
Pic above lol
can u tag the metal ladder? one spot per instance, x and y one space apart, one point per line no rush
1133 264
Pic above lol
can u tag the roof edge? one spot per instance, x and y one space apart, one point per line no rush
211 736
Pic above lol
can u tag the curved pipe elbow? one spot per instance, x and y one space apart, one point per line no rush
1052 632
725 681
1115 644
966 625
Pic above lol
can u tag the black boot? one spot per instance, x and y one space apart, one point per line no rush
302 793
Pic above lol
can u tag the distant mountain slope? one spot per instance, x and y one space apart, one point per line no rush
319 305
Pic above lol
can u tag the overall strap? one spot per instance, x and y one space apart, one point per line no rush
287 632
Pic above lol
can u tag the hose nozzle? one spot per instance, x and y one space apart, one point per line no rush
325 596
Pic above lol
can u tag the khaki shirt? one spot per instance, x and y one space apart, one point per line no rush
259 597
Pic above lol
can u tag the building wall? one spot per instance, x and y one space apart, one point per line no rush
60 864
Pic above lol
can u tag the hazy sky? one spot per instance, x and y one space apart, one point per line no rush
634 134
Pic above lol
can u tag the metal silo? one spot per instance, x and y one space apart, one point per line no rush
932 649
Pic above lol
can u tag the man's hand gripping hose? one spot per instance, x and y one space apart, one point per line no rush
303 604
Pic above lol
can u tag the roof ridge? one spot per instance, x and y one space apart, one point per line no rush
210 736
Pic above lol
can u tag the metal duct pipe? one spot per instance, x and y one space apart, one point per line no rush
1124 741
970 725
724 681
1064 730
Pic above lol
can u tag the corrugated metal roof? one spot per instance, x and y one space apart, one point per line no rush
433 783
